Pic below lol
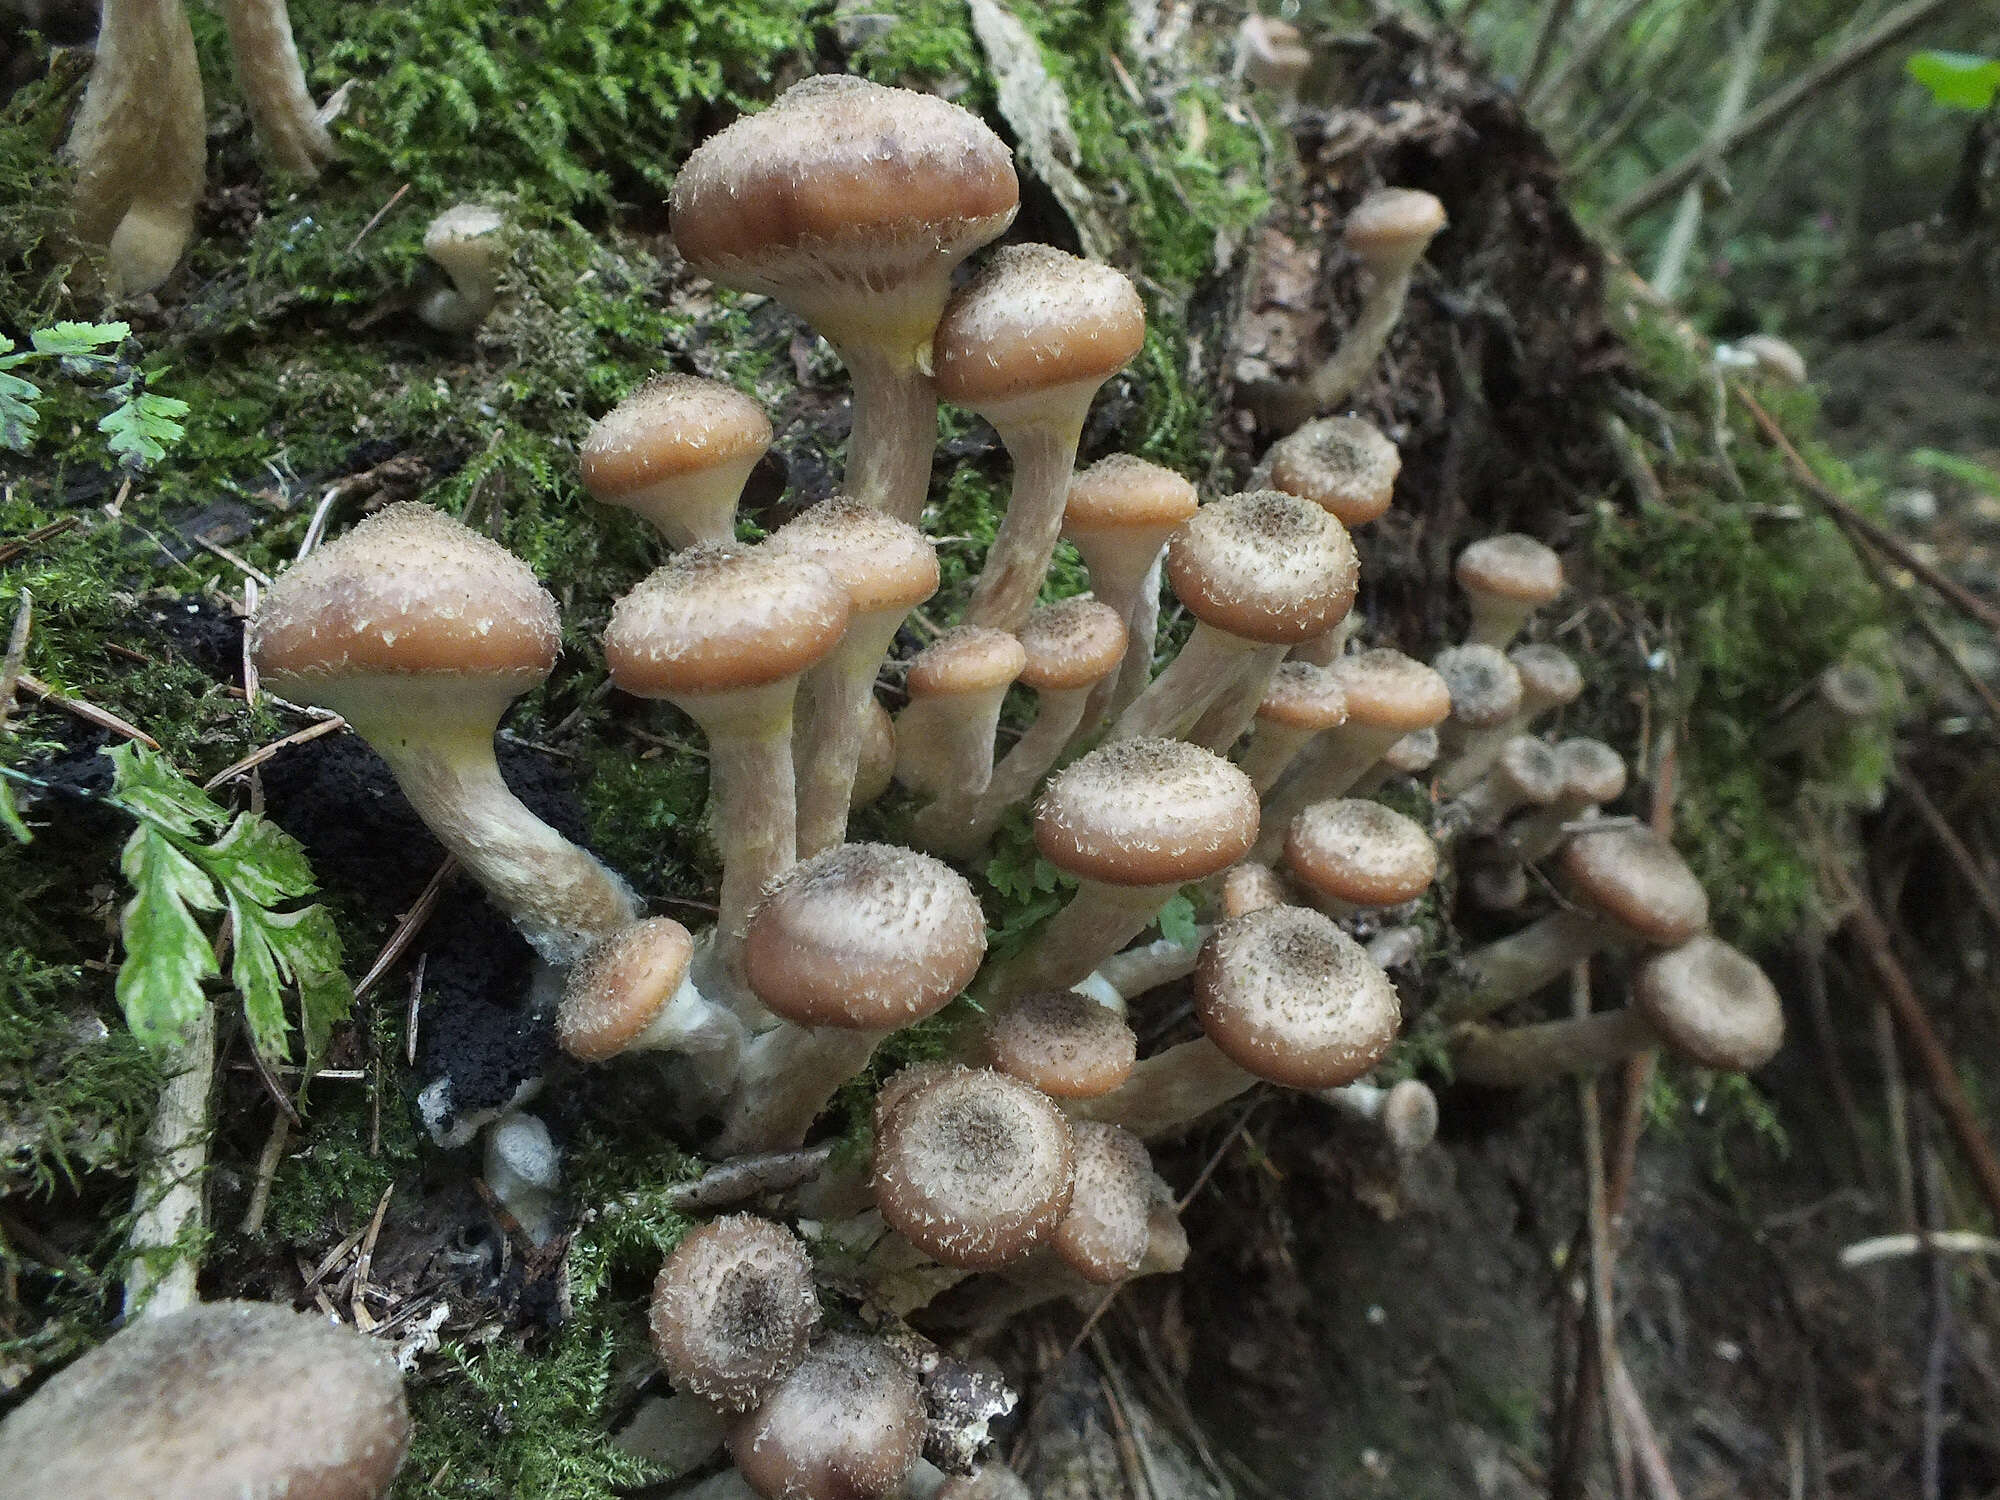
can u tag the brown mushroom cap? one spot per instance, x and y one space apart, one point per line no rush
1485 688
1392 226
409 591
864 936
842 183
673 425
1251 887
1634 877
1531 769
218 1401
847 1424
1126 494
1303 695
1549 676
1103 1236
620 986
1065 1044
1342 464
733 1310
1034 319
1147 812
1264 566
1711 1004
1415 752
1288 996
1591 770
883 563
1360 852
1071 645
718 618
974 1168
965 659
1388 690
1512 567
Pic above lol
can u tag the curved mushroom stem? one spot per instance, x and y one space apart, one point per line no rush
1169 1089
1516 966
1043 447
1211 663
789 1074
958 825
1522 1056
834 703
1351 363
944 744
167 1204
274 85
1325 649
1098 921
1124 977
1225 720
895 425
1542 832
1128 579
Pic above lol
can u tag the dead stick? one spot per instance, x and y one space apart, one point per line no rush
1645 1441
1602 1314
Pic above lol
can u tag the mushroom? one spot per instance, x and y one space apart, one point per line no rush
1132 822
1282 995
524 1173
1388 231
1592 775
1301 700
848 946
1104 1235
1412 755
1404 1115
1273 55
1026 344
274 85
1703 1000
419 632
1346 467
465 240
733 1310
218 1401
847 1424
1062 1043
1506 579
974 1168
678 451
1358 856
139 144
1840 698
1527 772
1119 514
888 568
1070 648
852 204
1260 572
1485 691
723 633
634 991
1769 356
1630 886
944 737
1549 680
1251 887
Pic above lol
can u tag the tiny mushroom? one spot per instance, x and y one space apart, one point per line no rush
634 991
1388 232
1485 692
1301 700
1592 775
465 240
847 1424
1527 772
1272 54
1549 680
1404 1115
1103 1236
733 1310
1355 856
957 684
678 451
1506 578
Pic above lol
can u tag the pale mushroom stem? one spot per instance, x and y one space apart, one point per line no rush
1098 921
1271 751
750 793
1044 453
789 1075
1522 1056
1325 649
1352 363
1516 966
895 429
1169 1089
274 85
1143 627
945 744
168 1202
1124 977
1208 665
835 700
958 825
1222 724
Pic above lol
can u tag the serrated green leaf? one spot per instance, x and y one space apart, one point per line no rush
78 338
253 970
258 861
1957 80
1177 924
167 955
140 430
274 949
153 791
10 816
18 416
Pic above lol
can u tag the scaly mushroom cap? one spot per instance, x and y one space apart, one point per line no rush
1127 495
848 1424
1360 852
408 592
673 425
1288 996
1063 1043
1710 1003
1342 464
1634 877
864 936
1391 227
1264 566
733 1310
1251 887
620 987
454 239
1415 752
842 183
1484 686
1591 771
1034 319
1549 676
219 1401
974 1168
1302 695
1147 812
883 563
1512 567
1103 1236
1531 769
1388 690
1071 645
720 617
965 659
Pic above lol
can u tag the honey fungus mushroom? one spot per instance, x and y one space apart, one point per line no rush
733 1310
847 1424
852 204
678 451
1388 232
420 632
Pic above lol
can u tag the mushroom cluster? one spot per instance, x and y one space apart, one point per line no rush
1242 769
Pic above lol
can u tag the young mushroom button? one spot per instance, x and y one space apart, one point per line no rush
678 451
219 1401
1301 700
420 632
634 991
1506 579
852 204
847 1424
733 1310
957 684
1104 1235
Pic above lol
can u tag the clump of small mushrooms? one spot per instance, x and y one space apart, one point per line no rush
1227 773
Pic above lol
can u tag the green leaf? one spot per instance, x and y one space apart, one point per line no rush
17 411
1957 80
153 791
274 949
142 429
259 861
66 339
10 816
1966 471
167 955
1177 924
